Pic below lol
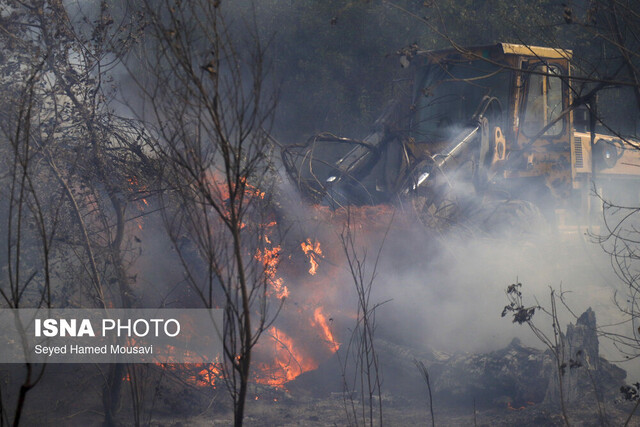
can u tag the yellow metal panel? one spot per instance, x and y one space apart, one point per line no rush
536 51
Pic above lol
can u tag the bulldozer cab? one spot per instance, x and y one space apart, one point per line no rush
489 123
519 95
519 99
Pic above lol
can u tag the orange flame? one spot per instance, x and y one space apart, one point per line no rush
208 375
288 364
313 251
221 189
270 259
203 374
319 319
512 408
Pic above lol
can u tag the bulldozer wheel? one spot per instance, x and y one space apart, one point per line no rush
503 219
435 216
512 218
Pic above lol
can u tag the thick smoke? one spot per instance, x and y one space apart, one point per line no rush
444 291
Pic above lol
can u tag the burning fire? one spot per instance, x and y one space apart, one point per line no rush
302 337
198 374
320 320
313 251
292 347
208 375
289 362
221 189
270 258
290 359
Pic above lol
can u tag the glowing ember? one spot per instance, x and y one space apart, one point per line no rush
320 320
136 188
208 375
313 251
198 374
512 408
222 189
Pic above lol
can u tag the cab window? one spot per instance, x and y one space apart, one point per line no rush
544 101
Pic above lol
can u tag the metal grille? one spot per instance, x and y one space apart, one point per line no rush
577 149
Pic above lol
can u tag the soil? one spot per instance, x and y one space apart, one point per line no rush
68 395
330 411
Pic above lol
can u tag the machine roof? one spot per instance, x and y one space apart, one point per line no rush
537 51
506 49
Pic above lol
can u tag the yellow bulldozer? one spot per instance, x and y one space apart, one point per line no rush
488 129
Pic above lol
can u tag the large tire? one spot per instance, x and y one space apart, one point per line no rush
510 218
439 216
442 204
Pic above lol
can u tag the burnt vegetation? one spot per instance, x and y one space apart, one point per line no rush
218 154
